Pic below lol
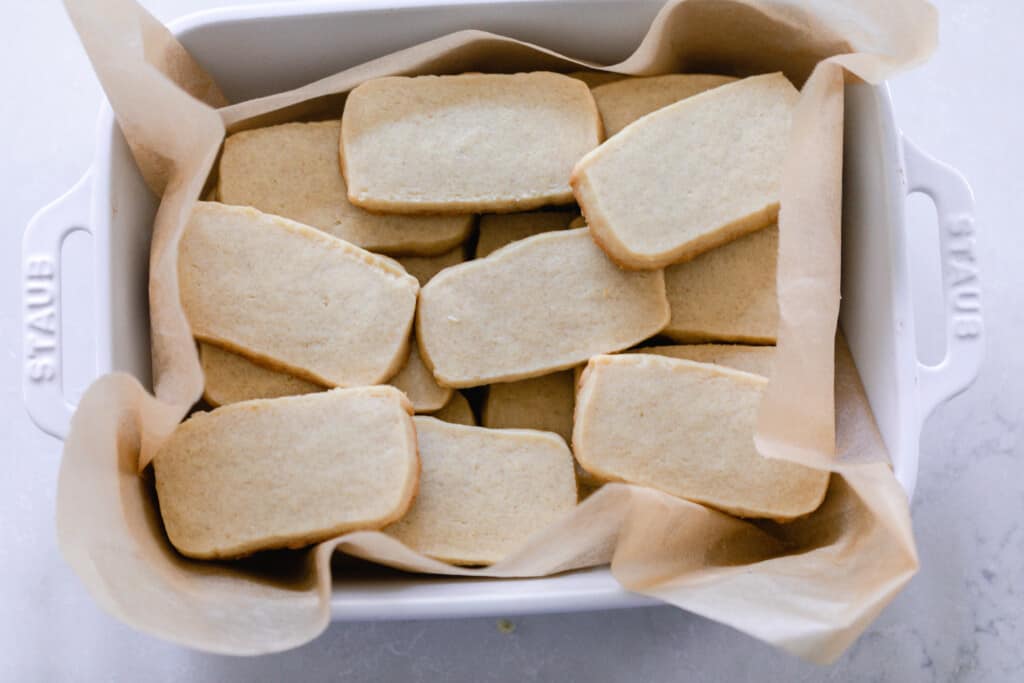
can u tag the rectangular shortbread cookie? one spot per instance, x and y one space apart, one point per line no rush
497 230
757 360
456 410
415 380
466 143
287 472
545 403
542 304
690 176
728 293
484 492
621 102
231 378
294 298
687 429
293 170
425 267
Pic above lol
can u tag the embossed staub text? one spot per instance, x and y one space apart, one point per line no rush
962 272
41 319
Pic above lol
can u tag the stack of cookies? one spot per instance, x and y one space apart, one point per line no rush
471 297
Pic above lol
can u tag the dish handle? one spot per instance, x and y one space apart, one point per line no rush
42 378
961 289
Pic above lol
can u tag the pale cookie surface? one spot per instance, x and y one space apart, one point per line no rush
757 360
539 305
292 297
691 176
687 429
484 492
728 293
287 472
466 143
622 102
231 378
415 380
293 170
425 267
457 410
545 403
497 230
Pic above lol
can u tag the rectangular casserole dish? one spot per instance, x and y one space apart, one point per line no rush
300 42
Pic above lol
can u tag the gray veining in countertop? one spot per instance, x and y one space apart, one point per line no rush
960 619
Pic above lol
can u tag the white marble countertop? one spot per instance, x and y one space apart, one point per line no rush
961 618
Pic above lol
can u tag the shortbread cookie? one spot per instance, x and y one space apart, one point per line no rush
686 428
497 230
484 492
287 472
294 298
596 78
728 293
415 380
457 410
425 267
757 360
293 170
539 305
622 102
466 143
545 403
231 378
691 176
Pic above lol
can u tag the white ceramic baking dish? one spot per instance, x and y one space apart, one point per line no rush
299 42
